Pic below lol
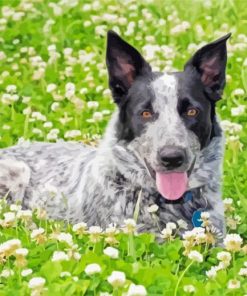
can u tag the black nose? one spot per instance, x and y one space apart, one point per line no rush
172 157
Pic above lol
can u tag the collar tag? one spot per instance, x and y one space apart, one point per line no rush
196 218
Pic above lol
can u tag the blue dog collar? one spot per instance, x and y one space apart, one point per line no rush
188 196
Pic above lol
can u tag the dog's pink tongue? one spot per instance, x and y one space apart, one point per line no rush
171 185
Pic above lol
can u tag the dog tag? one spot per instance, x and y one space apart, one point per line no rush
196 218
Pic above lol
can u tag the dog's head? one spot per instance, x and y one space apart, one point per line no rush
168 118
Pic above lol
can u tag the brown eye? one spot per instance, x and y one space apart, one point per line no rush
146 114
192 112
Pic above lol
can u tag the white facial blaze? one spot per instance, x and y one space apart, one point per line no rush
170 126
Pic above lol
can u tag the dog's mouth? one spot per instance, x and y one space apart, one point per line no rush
171 185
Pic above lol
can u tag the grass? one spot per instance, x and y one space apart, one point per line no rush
53 84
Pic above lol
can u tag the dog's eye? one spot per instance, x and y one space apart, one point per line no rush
192 112
146 114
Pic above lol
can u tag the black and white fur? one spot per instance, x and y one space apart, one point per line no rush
100 186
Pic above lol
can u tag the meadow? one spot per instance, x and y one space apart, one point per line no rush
53 86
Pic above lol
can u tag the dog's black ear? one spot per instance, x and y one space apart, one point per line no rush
124 64
210 63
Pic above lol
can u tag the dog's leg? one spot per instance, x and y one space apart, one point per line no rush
14 178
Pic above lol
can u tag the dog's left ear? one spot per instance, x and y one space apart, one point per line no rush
124 64
210 63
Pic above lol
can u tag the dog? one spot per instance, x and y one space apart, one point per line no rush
163 146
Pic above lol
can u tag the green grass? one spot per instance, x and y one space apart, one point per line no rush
28 29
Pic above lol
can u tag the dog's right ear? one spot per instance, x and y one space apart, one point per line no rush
124 64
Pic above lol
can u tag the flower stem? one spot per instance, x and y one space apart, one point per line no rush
132 252
26 127
181 277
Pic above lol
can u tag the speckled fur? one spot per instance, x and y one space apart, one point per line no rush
77 183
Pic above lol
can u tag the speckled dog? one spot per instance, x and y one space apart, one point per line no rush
164 140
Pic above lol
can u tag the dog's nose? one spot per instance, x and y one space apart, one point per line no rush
172 157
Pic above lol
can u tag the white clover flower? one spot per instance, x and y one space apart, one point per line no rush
11 88
231 127
182 224
83 91
55 106
87 7
69 89
92 269
95 230
9 217
6 127
26 99
189 235
233 284
212 272
26 272
136 290
59 256
205 215
10 246
189 289
224 256
153 208
92 104
2 55
195 256
6 273
111 252
106 112
107 92
80 228
21 252
67 51
72 134
15 208
36 283
201 238
228 201
238 92
27 111
233 242
48 124
65 237
243 271
37 131
38 116
129 226
238 110
51 87
77 256
166 233
117 279
52 47
36 232
65 274
24 214
53 134
97 116
6 99
171 225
